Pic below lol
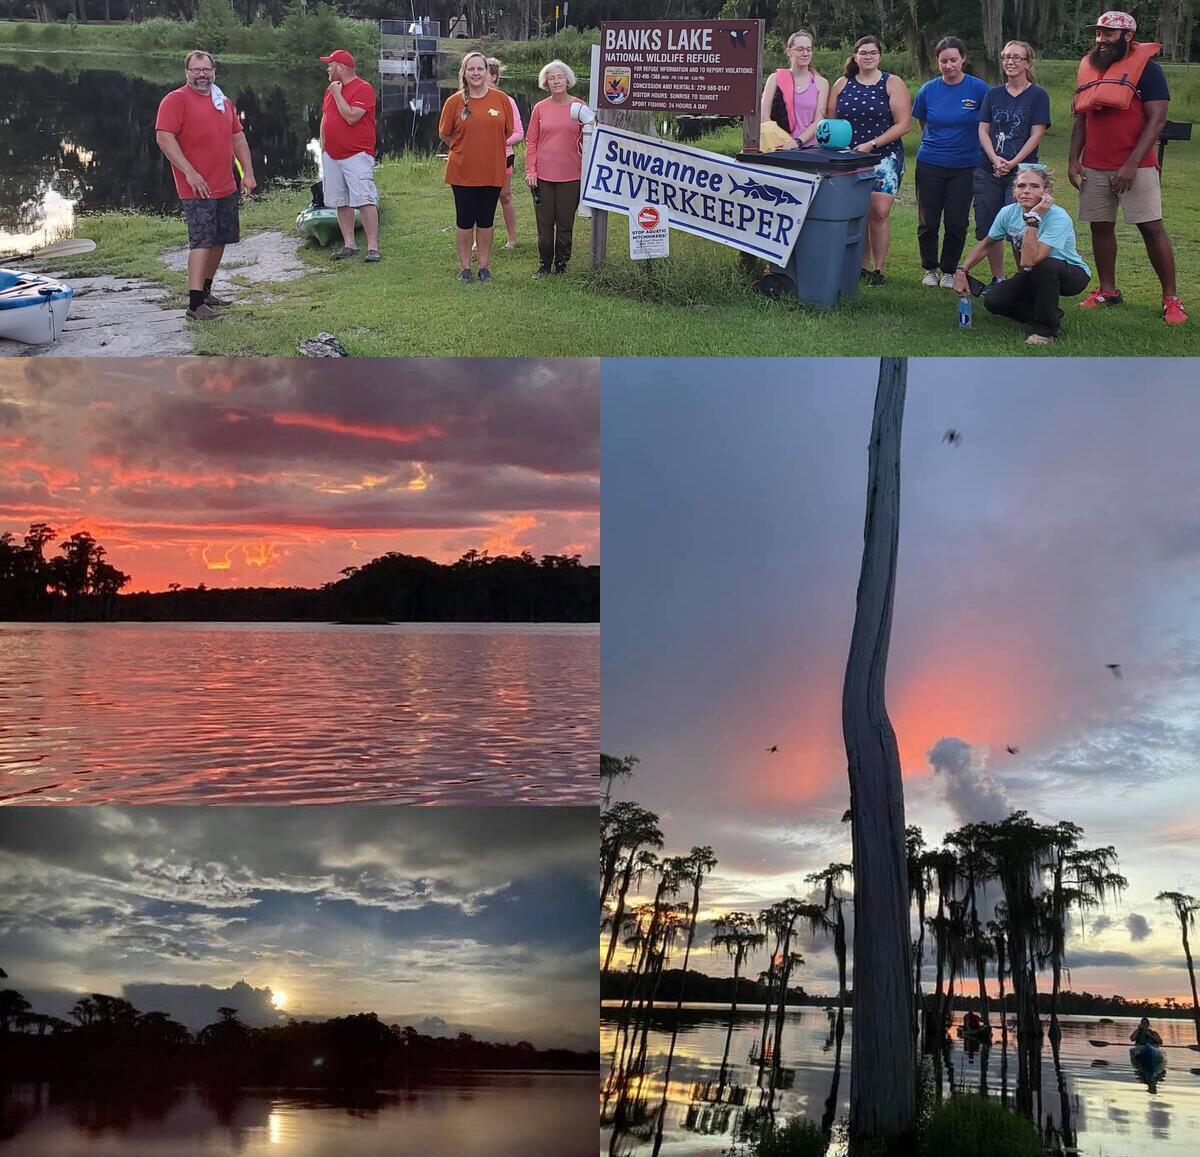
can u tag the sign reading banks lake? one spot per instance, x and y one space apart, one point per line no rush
753 208
707 67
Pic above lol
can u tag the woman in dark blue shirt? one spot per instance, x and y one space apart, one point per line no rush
948 109
1013 119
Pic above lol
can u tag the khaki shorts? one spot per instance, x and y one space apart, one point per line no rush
350 181
1141 203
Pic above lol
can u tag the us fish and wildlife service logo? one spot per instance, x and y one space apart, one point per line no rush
616 84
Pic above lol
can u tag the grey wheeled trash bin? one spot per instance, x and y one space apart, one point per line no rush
828 255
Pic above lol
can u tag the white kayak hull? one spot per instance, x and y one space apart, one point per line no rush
33 308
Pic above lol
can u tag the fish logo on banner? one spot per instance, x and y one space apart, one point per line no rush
616 84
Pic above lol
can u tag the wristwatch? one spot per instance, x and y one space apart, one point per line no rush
1032 218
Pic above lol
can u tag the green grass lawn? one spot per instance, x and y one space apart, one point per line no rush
695 303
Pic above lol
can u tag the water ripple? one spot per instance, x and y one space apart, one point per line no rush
299 713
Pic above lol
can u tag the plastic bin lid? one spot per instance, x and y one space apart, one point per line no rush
824 161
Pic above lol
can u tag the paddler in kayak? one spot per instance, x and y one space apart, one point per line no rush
1144 1034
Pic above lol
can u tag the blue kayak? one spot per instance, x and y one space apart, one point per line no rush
1148 1058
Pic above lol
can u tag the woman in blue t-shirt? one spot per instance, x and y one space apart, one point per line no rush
1013 119
1049 265
948 109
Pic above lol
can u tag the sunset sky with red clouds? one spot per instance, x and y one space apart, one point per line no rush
265 473
1059 536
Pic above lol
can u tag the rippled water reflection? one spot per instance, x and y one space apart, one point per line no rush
1112 1111
299 713
489 1116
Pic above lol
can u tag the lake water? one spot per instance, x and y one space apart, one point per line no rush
133 713
497 1116
81 139
1112 1112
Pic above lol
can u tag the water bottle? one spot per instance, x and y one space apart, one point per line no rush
964 311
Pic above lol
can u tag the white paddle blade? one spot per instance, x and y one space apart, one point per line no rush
71 247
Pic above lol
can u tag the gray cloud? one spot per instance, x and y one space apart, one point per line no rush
971 792
487 912
1139 927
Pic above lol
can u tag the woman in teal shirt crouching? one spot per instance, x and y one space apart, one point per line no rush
1049 266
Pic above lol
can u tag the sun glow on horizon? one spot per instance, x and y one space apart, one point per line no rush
278 999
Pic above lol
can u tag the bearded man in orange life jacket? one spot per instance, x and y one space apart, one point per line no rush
1120 107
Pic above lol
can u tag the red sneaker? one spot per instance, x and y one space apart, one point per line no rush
1173 312
1095 299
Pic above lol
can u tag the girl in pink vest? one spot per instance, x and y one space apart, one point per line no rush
795 98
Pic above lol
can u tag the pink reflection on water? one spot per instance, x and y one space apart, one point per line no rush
298 713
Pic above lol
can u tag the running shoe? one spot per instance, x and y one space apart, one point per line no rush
1095 299
931 278
1173 311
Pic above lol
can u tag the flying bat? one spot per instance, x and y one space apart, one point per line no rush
773 748
953 436
1012 750
1115 668
738 37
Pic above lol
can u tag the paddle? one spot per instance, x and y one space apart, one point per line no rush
1103 1044
71 247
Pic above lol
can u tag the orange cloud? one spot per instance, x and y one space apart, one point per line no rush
402 435
126 475
16 468
260 554
223 563
505 541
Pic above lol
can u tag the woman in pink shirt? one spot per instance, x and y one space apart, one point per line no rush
495 68
553 161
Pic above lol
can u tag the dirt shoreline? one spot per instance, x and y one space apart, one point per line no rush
131 317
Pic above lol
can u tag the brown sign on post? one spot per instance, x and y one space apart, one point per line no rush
707 67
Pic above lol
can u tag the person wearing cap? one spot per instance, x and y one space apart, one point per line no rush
200 133
348 153
1120 107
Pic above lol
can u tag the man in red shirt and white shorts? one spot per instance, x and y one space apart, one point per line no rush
348 153
199 132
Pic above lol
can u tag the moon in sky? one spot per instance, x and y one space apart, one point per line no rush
278 999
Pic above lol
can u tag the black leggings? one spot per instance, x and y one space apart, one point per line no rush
475 205
943 198
1032 297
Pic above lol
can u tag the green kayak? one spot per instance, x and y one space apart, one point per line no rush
322 224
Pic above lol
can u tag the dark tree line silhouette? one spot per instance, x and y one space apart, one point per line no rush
111 1043
75 583
78 584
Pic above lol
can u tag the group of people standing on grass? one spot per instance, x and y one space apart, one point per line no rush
979 148
480 126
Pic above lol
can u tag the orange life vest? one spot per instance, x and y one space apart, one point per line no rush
1116 86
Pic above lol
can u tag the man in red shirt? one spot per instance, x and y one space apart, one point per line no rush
348 153
199 132
1113 158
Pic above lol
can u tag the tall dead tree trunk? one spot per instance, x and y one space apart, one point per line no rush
881 1067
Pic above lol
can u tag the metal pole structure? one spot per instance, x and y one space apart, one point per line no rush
751 125
599 216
